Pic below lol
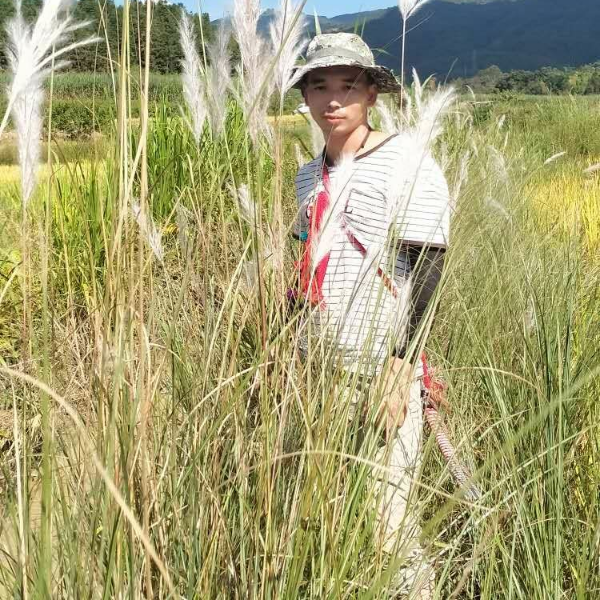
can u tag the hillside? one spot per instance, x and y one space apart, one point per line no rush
337 23
460 37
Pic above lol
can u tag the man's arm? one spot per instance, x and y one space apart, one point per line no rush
426 265
426 223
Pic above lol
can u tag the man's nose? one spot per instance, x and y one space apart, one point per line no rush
335 102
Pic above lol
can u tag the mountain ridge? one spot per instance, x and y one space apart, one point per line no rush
457 38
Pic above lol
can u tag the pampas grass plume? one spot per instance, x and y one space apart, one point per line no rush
193 86
286 33
248 212
592 169
148 228
299 155
429 112
424 120
409 7
246 205
317 140
554 157
256 57
389 123
33 52
332 219
218 80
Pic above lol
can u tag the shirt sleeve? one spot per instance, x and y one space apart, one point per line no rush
304 186
300 226
423 215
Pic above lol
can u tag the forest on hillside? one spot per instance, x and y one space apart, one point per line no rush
105 21
544 81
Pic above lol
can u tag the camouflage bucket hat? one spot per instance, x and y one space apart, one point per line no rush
348 50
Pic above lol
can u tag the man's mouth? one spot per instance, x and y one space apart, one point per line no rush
332 118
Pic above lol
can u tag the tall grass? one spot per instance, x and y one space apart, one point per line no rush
208 461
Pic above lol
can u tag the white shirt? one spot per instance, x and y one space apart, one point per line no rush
363 321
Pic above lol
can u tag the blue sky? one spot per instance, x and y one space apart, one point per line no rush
328 8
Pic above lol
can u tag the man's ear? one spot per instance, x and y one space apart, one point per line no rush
372 95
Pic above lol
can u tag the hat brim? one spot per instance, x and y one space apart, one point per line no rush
382 76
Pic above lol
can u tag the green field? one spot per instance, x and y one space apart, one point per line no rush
159 436
83 104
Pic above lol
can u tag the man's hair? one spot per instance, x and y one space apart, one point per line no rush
304 81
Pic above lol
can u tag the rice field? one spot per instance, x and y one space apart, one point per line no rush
160 437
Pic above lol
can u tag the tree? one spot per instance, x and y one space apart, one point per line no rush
105 20
593 86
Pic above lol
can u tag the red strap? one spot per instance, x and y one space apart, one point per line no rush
315 293
426 374
387 281
436 387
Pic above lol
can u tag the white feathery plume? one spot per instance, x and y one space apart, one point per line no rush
245 20
429 113
148 228
554 157
462 176
193 86
418 88
497 207
248 211
218 79
33 52
498 164
425 123
409 7
256 57
501 121
183 216
530 316
299 155
332 219
389 123
592 169
317 141
27 115
246 205
286 33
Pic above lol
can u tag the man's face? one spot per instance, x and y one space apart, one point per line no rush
339 98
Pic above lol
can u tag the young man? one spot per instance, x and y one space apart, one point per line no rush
368 319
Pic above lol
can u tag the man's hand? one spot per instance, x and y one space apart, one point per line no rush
396 384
